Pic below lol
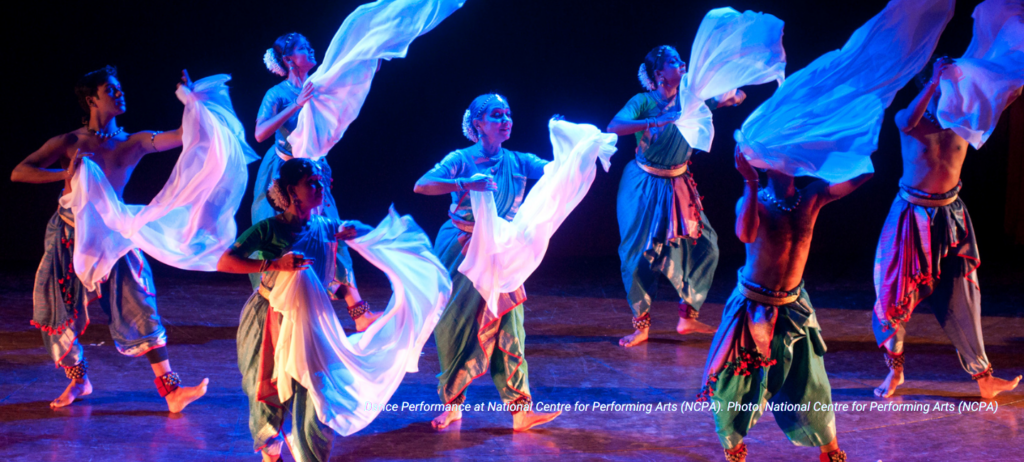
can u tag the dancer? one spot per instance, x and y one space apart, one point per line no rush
292 57
290 345
768 348
647 201
128 296
470 337
927 251
662 224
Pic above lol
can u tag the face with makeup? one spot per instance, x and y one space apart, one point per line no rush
495 123
109 98
672 68
309 192
302 57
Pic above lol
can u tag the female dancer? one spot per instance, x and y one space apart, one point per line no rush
470 339
292 240
292 57
661 221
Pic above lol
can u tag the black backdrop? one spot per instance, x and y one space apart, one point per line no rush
576 58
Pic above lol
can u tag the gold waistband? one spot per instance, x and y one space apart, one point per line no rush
67 220
462 225
766 299
662 172
926 202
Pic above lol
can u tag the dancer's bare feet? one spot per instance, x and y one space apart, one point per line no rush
991 386
693 326
522 421
446 418
76 389
888 387
634 339
363 322
183 396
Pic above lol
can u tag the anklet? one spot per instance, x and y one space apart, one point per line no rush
76 372
737 453
643 322
167 383
520 404
985 373
357 310
687 312
833 456
894 362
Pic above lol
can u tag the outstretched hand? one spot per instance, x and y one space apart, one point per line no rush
351 230
734 99
941 65
291 261
186 80
76 161
744 167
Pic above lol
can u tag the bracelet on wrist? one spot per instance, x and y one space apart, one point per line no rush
459 184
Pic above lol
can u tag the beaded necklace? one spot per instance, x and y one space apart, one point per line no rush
102 135
780 204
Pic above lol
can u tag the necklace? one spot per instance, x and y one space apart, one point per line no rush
102 135
780 204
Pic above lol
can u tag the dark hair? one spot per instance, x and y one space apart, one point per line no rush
476 110
921 78
89 83
284 46
655 59
290 174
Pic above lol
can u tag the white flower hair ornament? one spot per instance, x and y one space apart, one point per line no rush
272 65
645 81
467 127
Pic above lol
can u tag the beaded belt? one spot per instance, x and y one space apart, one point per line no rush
662 172
264 291
926 202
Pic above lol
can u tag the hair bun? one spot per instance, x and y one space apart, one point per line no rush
271 61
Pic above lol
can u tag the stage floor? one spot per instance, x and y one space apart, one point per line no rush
573 322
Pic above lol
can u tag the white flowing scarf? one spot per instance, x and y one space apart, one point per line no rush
731 50
350 377
989 76
191 221
380 30
503 254
825 119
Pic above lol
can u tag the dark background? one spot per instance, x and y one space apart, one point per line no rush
576 58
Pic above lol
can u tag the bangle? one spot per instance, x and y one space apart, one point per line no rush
459 185
265 265
152 139
648 121
751 181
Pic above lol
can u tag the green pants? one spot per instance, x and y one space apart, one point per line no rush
311 439
742 379
470 340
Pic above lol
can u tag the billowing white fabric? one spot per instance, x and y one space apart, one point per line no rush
825 119
989 76
191 221
731 50
344 374
374 31
503 254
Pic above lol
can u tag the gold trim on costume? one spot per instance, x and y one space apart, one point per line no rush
926 202
765 299
282 155
662 172
463 225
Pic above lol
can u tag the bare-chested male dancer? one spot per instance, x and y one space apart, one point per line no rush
128 296
768 348
927 248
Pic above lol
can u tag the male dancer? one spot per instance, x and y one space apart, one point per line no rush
768 348
128 296
927 247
